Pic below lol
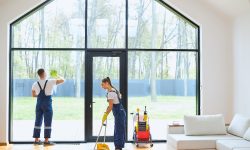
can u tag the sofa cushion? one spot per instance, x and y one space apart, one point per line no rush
239 125
232 144
247 134
204 125
182 141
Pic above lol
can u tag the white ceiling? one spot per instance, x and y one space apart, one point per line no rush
231 8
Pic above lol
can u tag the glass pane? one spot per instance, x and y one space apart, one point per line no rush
104 67
165 82
60 24
152 25
106 24
68 99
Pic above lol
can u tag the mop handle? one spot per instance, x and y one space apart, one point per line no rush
105 130
98 136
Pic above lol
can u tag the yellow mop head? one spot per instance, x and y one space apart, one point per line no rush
102 146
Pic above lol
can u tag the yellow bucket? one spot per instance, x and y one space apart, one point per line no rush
102 146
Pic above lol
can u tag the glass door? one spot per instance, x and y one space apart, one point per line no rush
101 65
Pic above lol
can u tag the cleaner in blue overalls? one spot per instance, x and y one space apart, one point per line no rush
43 90
114 100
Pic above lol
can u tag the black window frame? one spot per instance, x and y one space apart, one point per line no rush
89 50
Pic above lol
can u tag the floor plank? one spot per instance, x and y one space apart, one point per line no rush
88 146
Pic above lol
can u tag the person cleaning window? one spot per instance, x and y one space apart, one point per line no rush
43 90
115 105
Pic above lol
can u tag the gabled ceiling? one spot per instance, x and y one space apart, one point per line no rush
231 8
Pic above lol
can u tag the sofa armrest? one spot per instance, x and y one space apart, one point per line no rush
175 129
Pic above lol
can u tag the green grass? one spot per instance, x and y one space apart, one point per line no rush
70 108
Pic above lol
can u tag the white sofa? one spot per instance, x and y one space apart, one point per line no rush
177 140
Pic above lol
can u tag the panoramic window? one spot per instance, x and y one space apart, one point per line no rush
165 82
149 50
153 25
68 99
106 24
55 25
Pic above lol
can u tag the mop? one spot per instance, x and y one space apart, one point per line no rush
102 146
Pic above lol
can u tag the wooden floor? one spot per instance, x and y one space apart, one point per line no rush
88 146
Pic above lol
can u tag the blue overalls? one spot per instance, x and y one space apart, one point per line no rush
43 109
120 124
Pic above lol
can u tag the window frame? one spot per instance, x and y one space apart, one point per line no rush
89 50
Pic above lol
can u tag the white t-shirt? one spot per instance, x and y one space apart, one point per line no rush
113 96
48 89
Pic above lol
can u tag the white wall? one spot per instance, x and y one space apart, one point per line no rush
242 64
217 71
9 11
216 56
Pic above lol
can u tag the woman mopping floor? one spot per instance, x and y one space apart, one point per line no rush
114 100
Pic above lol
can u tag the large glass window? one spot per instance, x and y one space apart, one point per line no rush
59 24
106 24
68 99
160 55
153 25
164 82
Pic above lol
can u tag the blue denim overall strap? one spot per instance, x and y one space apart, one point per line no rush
43 110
